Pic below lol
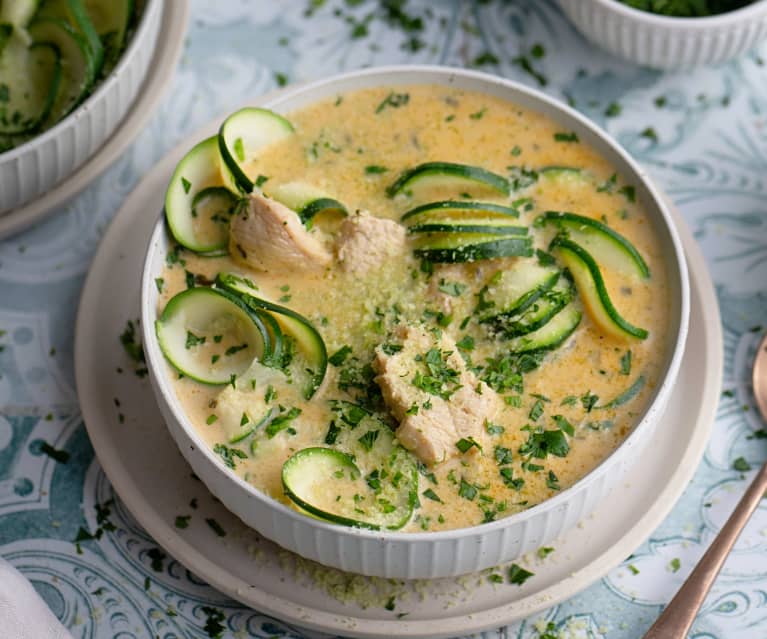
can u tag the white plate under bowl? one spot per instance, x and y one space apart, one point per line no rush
167 52
153 480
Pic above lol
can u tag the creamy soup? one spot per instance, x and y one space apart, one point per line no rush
433 385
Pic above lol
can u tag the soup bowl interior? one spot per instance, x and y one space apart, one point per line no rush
441 553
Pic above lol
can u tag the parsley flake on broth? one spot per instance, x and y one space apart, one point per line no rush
403 340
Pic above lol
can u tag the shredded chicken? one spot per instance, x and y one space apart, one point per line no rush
431 424
366 242
268 236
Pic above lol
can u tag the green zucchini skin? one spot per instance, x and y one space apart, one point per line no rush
462 207
549 336
297 463
486 250
300 328
308 201
169 334
244 133
382 457
79 69
528 281
199 172
582 229
537 315
75 15
321 206
592 289
490 228
448 172
111 19
33 124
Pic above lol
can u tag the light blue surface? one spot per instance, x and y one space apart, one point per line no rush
710 155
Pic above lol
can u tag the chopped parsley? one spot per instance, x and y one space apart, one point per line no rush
340 355
332 434
440 380
502 455
518 575
650 134
282 421
215 527
213 625
60 456
394 100
544 551
541 443
193 340
186 184
369 439
552 481
626 363
589 401
674 565
466 443
466 343
375 169
232 350
131 344
486 57
523 63
391 349
565 137
741 465
430 494
563 424
467 490
536 410
494 429
613 110
182 521
629 192
229 454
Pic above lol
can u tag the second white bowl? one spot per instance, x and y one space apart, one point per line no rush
665 42
36 166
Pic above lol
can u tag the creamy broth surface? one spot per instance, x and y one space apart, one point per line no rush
352 147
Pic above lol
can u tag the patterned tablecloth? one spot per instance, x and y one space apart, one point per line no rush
702 135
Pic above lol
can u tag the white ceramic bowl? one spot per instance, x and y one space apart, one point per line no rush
36 166
427 554
665 42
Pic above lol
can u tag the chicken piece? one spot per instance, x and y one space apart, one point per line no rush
267 236
458 413
365 242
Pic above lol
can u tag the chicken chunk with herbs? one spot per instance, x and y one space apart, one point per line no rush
436 399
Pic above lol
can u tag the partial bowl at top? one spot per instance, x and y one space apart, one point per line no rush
666 42
411 109
33 168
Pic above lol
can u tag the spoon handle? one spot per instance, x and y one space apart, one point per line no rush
676 619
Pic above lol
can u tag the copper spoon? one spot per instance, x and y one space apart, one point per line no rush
677 618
